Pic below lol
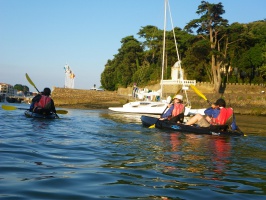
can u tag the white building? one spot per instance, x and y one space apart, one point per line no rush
177 77
7 89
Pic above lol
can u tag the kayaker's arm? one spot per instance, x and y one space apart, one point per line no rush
168 112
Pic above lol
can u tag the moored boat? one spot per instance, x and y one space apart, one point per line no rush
13 100
149 107
30 114
212 130
143 107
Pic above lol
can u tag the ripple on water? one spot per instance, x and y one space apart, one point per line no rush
93 154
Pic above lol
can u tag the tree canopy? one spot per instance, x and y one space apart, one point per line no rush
211 50
22 88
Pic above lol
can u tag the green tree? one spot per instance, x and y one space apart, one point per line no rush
108 77
22 88
122 68
18 87
246 54
211 26
197 61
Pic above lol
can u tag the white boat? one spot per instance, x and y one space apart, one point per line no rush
148 105
142 107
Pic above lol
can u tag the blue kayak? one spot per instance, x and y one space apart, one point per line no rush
30 114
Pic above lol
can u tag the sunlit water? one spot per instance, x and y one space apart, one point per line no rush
98 154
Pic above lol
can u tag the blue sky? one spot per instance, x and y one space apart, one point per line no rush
39 37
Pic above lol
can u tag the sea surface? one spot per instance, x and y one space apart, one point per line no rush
99 154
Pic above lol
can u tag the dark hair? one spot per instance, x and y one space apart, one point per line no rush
220 102
46 91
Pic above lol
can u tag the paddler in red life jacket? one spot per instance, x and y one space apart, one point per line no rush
175 113
218 114
43 103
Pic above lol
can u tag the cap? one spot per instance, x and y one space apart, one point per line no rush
180 97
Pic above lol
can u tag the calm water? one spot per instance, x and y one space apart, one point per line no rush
97 154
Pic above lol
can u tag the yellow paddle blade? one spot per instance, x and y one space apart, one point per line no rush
152 126
6 107
61 111
31 82
198 92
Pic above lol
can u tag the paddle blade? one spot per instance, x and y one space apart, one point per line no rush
198 92
6 107
152 126
31 82
63 112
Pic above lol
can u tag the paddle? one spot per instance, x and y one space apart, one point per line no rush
203 96
30 81
199 93
153 126
7 107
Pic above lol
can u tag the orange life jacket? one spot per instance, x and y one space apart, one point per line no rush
225 114
178 108
45 102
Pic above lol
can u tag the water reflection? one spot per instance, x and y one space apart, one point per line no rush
195 153
94 154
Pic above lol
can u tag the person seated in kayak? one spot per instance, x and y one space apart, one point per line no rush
218 114
175 113
43 103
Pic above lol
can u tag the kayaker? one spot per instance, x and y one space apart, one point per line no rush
217 114
175 113
42 103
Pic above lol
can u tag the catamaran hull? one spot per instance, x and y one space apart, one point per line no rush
156 108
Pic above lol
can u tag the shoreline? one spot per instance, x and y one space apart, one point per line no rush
243 101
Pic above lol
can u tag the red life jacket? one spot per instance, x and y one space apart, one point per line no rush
225 114
45 102
178 108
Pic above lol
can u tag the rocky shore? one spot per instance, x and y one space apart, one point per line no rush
245 99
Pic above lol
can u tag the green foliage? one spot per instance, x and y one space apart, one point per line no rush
239 51
25 89
18 87
22 88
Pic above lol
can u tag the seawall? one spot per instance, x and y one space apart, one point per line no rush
77 98
244 98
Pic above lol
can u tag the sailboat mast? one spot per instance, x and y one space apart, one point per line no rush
164 35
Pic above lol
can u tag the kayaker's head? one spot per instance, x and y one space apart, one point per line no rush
220 102
178 97
46 91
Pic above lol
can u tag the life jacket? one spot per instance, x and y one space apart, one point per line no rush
44 103
178 108
223 117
